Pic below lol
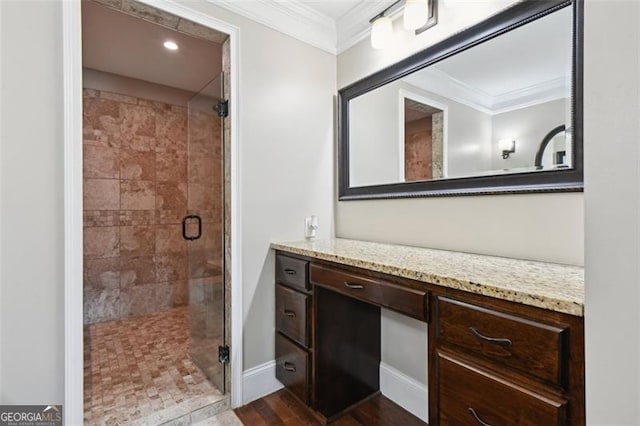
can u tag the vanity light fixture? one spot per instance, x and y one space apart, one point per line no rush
381 32
416 14
507 146
170 45
419 15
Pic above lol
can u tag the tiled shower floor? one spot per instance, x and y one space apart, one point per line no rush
138 371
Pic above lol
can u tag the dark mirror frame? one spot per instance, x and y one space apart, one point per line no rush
536 181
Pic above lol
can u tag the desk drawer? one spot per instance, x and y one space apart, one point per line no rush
292 314
406 300
292 367
292 271
533 348
470 396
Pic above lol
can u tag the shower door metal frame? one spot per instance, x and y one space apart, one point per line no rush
212 361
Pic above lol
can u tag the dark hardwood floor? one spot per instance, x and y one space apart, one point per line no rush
281 408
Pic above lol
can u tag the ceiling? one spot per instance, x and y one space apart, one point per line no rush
529 65
527 56
118 43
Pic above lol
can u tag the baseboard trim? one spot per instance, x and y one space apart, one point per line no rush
259 381
404 391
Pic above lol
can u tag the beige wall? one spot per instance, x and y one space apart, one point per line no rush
547 227
286 149
612 204
294 144
32 307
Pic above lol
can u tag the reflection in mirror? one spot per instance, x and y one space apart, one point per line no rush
484 111
552 152
421 142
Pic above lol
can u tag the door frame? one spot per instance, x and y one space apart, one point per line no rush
73 243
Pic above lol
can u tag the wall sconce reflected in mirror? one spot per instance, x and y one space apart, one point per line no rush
507 146
418 16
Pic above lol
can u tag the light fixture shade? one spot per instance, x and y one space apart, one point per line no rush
381 32
416 14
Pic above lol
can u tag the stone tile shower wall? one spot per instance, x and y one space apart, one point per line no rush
136 189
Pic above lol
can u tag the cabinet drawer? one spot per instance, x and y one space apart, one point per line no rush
292 367
533 348
292 314
470 396
402 299
292 271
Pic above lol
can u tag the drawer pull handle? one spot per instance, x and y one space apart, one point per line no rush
495 341
289 367
290 271
288 313
354 286
478 419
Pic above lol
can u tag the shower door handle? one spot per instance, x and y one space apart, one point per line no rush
184 227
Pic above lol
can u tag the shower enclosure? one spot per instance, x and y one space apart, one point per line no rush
203 228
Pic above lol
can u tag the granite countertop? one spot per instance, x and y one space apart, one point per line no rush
545 285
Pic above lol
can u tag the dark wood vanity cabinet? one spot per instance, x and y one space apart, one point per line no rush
491 361
497 362
471 395
293 326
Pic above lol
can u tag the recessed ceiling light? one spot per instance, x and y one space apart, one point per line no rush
170 45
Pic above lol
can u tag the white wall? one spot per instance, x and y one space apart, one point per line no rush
612 197
31 309
286 103
374 145
528 126
374 138
468 147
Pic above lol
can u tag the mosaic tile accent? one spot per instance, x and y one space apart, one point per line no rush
101 218
549 286
138 371
137 217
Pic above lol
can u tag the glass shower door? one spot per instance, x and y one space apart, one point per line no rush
204 228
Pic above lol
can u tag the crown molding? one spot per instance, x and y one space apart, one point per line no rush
354 26
289 17
535 94
437 81
441 83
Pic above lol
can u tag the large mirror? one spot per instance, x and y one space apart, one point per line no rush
494 109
